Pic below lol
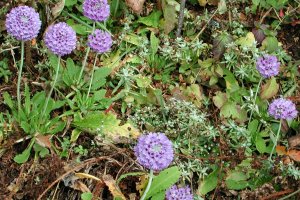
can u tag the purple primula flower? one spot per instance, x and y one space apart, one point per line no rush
100 41
61 39
268 66
175 193
282 109
97 10
154 151
23 23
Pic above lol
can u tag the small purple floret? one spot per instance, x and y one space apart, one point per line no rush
100 41
268 66
97 10
175 193
61 39
154 151
283 109
23 23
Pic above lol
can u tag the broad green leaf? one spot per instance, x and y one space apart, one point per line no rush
260 144
229 110
151 20
163 181
270 89
143 81
236 180
70 3
86 196
270 44
23 157
154 41
100 75
159 196
170 16
209 183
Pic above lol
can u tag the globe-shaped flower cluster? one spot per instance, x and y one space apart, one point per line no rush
100 41
23 23
60 38
282 109
97 10
154 151
268 66
176 193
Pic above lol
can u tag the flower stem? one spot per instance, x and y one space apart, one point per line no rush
20 76
52 87
255 96
85 57
148 185
276 139
92 76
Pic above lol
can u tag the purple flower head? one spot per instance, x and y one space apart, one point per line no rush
282 109
100 41
61 39
23 23
268 66
97 10
175 193
154 151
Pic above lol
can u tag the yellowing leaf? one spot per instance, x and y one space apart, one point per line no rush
113 187
247 41
270 89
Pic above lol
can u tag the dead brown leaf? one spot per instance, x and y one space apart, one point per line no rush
113 187
135 5
44 140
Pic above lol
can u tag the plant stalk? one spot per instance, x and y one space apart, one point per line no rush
276 139
92 76
148 185
52 87
255 96
181 17
85 57
20 76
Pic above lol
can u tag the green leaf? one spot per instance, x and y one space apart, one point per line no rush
75 134
170 16
100 75
209 183
158 196
236 180
108 124
270 89
154 41
260 145
86 196
163 181
229 110
143 81
151 20
8 100
270 44
70 3
23 157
